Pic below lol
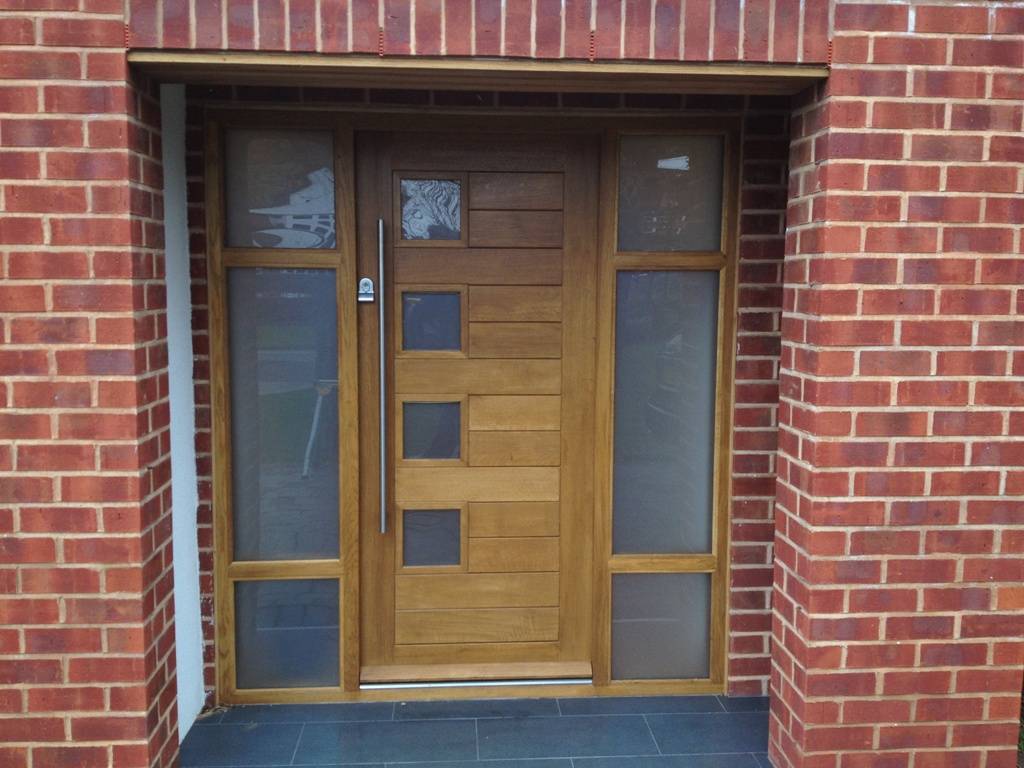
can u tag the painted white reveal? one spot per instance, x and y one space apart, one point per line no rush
187 627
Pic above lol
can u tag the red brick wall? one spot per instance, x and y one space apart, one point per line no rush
764 169
900 541
690 30
86 624
756 392
900 520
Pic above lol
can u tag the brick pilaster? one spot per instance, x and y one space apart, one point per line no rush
86 624
900 521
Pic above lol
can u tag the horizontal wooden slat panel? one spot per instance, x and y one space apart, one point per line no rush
513 518
477 377
514 266
477 653
515 449
516 191
419 484
476 625
522 340
508 555
514 412
515 229
476 590
536 303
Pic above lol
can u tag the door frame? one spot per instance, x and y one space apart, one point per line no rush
344 123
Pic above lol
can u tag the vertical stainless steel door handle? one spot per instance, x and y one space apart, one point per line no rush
381 330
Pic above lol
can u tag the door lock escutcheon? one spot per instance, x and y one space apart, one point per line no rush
364 291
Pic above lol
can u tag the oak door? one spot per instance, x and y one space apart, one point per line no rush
479 564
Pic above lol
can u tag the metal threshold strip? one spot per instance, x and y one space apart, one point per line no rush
474 683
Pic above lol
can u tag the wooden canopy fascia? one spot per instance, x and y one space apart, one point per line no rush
363 71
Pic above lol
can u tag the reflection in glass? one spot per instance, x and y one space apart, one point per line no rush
286 633
279 188
431 430
666 327
431 321
431 209
282 326
660 625
670 193
431 537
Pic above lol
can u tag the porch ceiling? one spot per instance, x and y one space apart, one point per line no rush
295 69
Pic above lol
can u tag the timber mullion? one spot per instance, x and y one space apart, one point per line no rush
264 570
285 258
663 563
669 260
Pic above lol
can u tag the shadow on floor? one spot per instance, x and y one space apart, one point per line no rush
645 732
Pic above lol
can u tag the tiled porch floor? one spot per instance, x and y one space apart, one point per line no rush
649 732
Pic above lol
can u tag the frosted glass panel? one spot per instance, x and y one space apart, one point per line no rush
431 537
670 193
665 354
660 625
282 326
431 209
431 430
431 321
279 189
286 633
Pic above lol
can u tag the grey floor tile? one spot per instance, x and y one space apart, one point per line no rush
440 710
247 746
541 763
309 713
389 742
639 705
565 737
763 761
708 734
738 760
745 703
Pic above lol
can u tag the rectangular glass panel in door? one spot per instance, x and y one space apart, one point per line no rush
431 209
279 189
660 626
431 430
431 321
670 193
431 537
286 633
283 337
666 332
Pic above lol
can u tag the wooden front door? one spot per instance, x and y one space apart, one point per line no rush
478 562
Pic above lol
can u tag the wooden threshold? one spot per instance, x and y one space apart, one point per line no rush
359 70
414 673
